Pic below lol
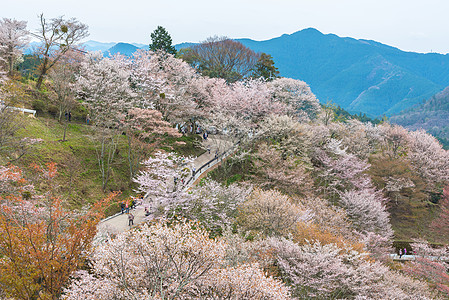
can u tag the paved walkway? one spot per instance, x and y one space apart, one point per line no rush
119 222
413 257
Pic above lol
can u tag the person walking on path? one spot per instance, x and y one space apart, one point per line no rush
405 251
127 207
70 116
87 119
122 207
130 219
400 253
193 171
208 149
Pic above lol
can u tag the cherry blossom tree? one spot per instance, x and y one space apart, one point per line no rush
213 205
165 83
394 140
287 173
163 181
104 86
170 262
428 157
360 139
340 170
269 213
366 209
149 121
297 94
235 110
13 38
141 124
316 271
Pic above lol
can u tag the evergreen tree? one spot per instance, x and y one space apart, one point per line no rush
161 40
265 68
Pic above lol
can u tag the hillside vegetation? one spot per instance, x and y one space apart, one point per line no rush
307 206
432 116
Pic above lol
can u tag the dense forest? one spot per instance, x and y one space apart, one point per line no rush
310 203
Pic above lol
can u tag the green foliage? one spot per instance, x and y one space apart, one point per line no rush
161 40
341 115
39 105
29 66
234 178
410 208
265 68
431 115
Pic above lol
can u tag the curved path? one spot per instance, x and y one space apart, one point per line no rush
203 164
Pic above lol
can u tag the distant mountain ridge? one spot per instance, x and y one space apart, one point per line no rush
359 75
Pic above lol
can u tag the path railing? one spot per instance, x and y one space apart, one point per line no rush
414 257
24 110
210 163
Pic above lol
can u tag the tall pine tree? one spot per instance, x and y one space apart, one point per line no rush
161 40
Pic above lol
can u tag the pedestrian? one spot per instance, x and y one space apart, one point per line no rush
66 115
127 207
87 119
400 253
216 153
193 171
147 212
206 135
122 207
405 251
208 149
130 219
70 116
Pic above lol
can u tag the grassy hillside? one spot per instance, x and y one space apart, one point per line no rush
79 175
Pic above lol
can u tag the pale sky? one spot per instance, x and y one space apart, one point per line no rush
410 25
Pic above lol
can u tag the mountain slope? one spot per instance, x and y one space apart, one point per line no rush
359 75
122 48
97 46
432 115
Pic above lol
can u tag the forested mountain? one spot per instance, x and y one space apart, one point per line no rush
432 115
359 75
122 48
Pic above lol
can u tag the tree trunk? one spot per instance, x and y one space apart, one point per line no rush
43 71
65 129
130 156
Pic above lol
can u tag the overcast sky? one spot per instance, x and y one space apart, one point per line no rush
411 25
